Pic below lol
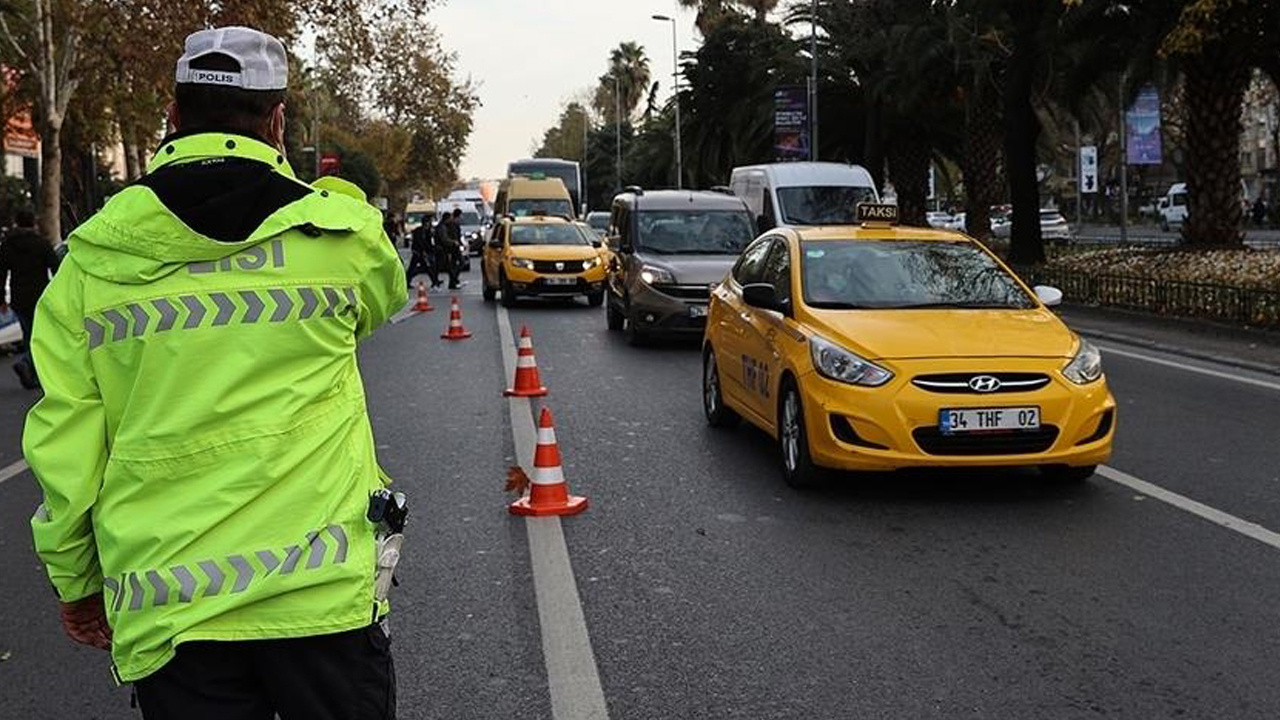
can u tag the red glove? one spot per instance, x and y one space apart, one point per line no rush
85 621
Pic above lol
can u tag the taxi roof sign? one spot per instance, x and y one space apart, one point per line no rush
877 214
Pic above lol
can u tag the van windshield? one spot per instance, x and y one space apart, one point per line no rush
694 232
822 204
522 207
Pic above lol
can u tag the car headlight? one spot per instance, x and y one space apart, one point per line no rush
836 363
657 276
1086 366
590 263
520 262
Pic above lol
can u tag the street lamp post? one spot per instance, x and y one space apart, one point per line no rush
675 94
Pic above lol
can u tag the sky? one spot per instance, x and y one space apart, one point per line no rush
529 57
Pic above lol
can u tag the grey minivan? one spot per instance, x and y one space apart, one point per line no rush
667 249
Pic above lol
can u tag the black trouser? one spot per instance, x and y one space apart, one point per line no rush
419 263
447 258
345 676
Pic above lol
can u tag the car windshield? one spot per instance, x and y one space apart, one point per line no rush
905 274
695 232
524 207
822 204
548 234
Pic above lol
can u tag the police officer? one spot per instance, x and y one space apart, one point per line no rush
203 446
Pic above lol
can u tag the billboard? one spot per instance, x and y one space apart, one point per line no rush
1142 128
791 123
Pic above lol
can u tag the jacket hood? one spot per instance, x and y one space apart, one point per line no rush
205 197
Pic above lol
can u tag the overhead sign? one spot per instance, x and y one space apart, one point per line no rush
1142 128
791 123
1089 169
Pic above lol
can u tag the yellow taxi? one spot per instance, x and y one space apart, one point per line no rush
877 347
542 256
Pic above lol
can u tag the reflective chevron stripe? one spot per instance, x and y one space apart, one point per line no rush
232 575
217 309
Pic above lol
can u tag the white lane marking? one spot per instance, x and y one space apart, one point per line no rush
1192 368
12 471
1213 515
572 676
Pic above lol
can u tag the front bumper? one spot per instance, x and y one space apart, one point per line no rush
896 426
529 282
655 311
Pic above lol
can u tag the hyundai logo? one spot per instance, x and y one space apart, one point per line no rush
984 383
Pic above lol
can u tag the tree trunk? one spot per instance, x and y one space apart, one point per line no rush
1022 130
51 181
981 162
1215 91
909 158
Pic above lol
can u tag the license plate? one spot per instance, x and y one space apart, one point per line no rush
954 421
562 281
697 311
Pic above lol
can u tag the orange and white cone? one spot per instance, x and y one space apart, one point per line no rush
422 305
527 383
455 331
548 492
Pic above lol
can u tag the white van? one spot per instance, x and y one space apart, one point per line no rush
1173 207
803 193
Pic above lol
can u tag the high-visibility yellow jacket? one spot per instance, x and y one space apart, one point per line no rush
203 444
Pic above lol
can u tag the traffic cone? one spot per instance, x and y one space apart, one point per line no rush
455 331
527 383
422 305
548 492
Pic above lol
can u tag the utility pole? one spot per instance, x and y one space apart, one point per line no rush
813 82
675 94
1124 167
617 132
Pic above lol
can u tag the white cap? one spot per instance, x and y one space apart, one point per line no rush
263 64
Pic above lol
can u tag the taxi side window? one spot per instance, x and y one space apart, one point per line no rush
777 269
751 265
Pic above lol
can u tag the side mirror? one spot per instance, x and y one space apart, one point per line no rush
764 296
1050 296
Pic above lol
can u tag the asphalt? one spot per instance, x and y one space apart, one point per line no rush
711 590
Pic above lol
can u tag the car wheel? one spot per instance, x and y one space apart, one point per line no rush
798 468
508 293
614 317
486 291
1068 475
718 415
595 299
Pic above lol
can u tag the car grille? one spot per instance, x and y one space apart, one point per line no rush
685 292
1018 442
566 266
958 383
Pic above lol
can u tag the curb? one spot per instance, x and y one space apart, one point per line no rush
1176 350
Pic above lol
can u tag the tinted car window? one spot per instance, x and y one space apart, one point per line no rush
547 235
822 204
905 274
694 232
750 267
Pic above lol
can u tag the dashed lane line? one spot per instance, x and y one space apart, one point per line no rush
572 675
13 470
1199 509
1257 382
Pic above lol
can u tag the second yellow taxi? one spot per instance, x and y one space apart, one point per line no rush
543 256
877 347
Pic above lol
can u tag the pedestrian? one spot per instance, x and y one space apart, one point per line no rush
448 238
422 252
26 262
206 458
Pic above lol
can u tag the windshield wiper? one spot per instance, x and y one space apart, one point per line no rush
836 305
